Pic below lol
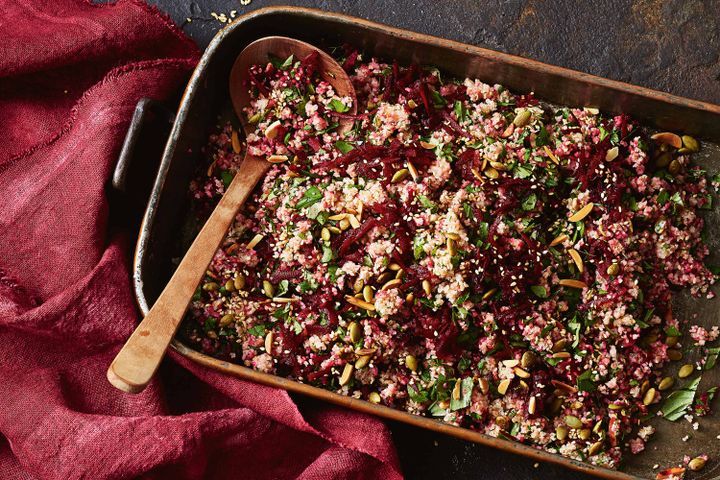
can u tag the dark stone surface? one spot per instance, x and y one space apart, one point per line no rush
671 45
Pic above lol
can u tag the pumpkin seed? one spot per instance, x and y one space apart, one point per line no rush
559 345
674 354
532 405
559 239
513 362
484 386
551 155
613 269
285 300
362 362
644 386
355 332
346 374
649 397
522 118
582 213
269 342
358 285
674 167
598 428
489 293
394 267
229 286
395 282
555 405
666 383
663 160
595 448
498 166
354 222
235 140
584 434
344 224
668 138
686 370
334 230
573 421
612 154
413 171
452 235
400 175
521 373
569 282
503 386
672 341
325 234
427 145
508 131
384 277
561 355
338 216
696 464
690 143
277 158
255 118
210 286
374 397
563 386
239 281
268 289
477 175
272 130
368 294
411 362
426 287
411 103
360 303
561 432
491 173
227 319
576 259
254 241
456 393
528 359
450 243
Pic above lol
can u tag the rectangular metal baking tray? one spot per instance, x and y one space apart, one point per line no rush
206 98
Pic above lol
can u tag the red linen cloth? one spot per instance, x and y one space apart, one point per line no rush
70 75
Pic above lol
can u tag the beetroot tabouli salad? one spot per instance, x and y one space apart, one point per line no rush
463 253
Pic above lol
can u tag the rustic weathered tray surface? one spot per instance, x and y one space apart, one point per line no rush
206 97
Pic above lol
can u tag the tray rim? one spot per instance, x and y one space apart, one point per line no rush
246 373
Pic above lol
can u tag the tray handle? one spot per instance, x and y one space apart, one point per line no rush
139 158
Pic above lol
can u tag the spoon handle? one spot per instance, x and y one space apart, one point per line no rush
140 357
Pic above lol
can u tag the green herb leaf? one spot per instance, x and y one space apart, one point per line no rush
542 138
338 106
663 197
712 356
327 254
539 291
427 203
677 403
466 386
529 202
280 63
585 382
418 396
257 330
311 196
343 146
227 177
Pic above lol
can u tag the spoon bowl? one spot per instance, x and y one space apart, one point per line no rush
138 360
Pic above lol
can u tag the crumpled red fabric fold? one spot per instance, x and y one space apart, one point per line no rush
70 75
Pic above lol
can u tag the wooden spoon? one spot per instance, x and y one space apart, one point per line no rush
138 360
